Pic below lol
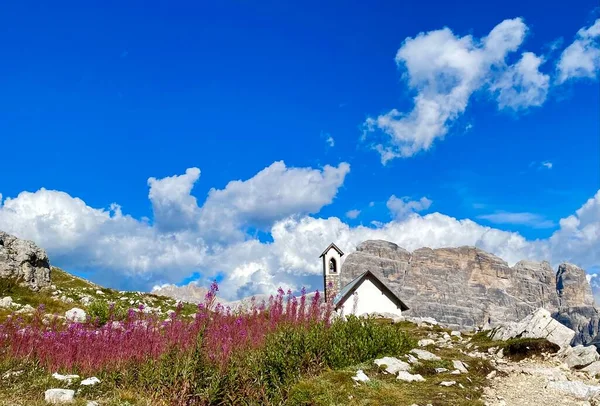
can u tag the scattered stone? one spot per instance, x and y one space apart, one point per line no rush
76 315
26 309
440 370
57 396
447 383
425 355
580 356
392 365
425 342
67 378
99 292
90 381
360 376
8 374
455 372
86 300
576 389
460 366
412 359
455 333
491 375
408 377
91 403
593 369
6 302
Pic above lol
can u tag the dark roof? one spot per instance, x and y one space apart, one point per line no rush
332 245
351 287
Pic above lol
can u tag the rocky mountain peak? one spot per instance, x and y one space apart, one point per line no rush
467 287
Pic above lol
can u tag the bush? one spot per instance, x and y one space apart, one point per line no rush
101 311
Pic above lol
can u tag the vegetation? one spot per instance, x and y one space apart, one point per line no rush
516 349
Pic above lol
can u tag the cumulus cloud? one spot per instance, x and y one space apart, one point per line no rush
403 206
444 70
581 59
352 214
273 193
137 254
522 85
330 141
522 218
172 203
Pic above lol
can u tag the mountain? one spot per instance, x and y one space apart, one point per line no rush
466 287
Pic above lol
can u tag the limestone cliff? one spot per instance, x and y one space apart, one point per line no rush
466 287
24 261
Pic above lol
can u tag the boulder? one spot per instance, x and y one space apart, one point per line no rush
425 342
76 315
6 302
57 396
24 261
539 324
424 355
577 389
593 369
580 356
392 365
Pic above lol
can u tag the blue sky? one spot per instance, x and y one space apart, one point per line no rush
98 97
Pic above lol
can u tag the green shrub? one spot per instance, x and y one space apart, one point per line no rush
101 311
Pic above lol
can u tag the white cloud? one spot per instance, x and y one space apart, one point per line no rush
445 70
273 193
402 207
547 164
172 203
581 59
522 85
352 214
141 255
523 218
330 141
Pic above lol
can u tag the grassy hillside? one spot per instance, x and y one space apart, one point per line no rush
69 291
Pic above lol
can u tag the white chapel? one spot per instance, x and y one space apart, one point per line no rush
366 294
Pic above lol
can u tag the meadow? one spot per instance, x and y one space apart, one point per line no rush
249 356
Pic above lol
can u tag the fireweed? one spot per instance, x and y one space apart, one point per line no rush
218 356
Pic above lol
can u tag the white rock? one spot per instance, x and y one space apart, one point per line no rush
455 334
440 370
26 309
593 369
6 302
447 383
539 324
393 365
412 359
425 355
455 372
491 375
91 403
576 389
459 365
76 315
425 342
408 377
67 378
99 292
86 300
90 381
580 356
58 396
360 376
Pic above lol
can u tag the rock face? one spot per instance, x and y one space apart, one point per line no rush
466 287
24 261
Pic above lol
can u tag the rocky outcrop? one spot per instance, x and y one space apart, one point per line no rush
23 261
466 287
539 324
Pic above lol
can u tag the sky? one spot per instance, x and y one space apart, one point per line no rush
144 144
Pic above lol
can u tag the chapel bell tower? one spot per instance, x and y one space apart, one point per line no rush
332 266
